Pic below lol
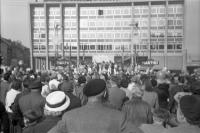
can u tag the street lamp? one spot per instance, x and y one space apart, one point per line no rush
133 42
56 41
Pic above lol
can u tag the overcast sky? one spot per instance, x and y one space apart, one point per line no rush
14 20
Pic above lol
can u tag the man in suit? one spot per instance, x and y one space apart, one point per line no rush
4 87
94 117
4 120
32 104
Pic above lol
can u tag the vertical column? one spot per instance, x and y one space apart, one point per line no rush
46 37
30 35
132 41
149 29
184 50
78 33
166 32
62 29
36 63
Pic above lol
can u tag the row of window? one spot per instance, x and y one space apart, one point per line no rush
142 36
141 23
111 47
155 9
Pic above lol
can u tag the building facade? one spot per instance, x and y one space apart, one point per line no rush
108 30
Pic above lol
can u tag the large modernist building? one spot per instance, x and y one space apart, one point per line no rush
111 30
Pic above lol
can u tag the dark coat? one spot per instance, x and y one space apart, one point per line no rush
3 90
75 102
44 126
32 103
91 118
163 94
4 121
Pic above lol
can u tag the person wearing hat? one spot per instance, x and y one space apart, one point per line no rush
56 104
79 90
33 102
94 117
190 108
67 87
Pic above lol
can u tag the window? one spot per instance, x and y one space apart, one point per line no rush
161 46
170 46
179 46
145 11
136 11
74 47
170 34
109 12
117 11
117 47
117 35
92 47
35 46
162 10
170 10
162 22
43 35
179 22
117 23
153 10
170 22
180 10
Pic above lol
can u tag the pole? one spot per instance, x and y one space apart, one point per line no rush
132 41
166 32
70 59
30 36
78 34
149 28
46 37
62 30
83 53
123 56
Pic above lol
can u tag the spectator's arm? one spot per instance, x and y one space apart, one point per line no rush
156 102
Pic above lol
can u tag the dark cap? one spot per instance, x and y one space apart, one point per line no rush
190 107
94 87
35 84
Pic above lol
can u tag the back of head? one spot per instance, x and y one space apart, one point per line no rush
135 89
66 87
190 107
26 82
148 86
124 83
195 88
94 87
6 76
35 84
16 84
115 80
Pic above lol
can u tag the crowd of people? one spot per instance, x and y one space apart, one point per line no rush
99 98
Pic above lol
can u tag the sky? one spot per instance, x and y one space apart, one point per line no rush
15 20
